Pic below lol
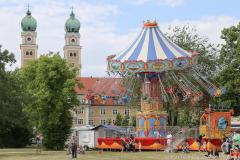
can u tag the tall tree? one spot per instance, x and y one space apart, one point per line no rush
118 121
133 86
51 81
133 121
229 61
188 39
125 120
15 129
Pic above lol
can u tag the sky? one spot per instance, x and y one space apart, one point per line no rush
109 26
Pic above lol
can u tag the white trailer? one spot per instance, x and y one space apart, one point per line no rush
85 136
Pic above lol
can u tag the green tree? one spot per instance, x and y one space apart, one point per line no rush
125 120
51 81
15 129
109 121
229 60
188 39
133 121
133 86
118 121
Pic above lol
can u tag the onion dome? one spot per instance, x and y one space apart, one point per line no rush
28 22
72 24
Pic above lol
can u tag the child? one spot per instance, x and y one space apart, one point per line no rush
204 146
185 147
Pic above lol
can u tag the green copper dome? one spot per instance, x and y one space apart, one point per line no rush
72 24
28 22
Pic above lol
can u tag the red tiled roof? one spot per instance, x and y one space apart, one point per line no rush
102 86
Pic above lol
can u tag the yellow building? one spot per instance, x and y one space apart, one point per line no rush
100 102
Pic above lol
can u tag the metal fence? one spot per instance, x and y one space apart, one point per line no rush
126 131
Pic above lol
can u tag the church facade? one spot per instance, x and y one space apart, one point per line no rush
29 46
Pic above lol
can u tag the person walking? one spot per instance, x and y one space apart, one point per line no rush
74 147
39 140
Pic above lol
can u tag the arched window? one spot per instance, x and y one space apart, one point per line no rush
71 54
73 40
31 53
75 54
27 53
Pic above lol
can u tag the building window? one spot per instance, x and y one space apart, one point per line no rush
102 111
103 121
115 111
80 110
73 40
29 39
91 111
71 54
75 54
91 122
126 112
80 121
31 53
27 53
113 121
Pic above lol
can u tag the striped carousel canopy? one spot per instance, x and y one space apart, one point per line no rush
151 44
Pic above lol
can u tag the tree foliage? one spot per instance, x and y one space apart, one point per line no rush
125 120
133 121
15 129
229 60
133 86
50 81
118 121
188 39
109 121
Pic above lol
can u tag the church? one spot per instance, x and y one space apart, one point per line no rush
29 46
100 99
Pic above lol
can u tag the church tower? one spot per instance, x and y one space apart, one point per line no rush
29 35
72 48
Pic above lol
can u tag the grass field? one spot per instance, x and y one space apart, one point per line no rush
30 154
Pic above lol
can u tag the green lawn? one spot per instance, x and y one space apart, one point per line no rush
30 154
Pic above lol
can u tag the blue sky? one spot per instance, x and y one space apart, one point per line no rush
108 26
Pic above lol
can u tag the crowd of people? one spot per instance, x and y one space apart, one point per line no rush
128 145
230 145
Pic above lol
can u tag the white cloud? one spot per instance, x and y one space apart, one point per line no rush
99 36
209 27
171 3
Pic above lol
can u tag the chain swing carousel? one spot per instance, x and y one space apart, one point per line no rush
169 74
